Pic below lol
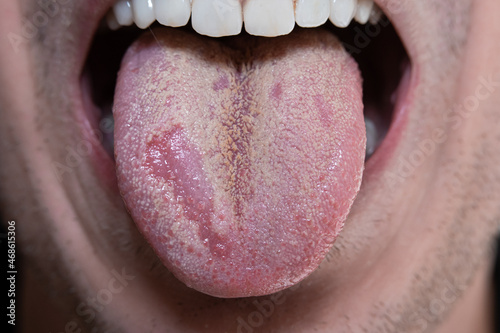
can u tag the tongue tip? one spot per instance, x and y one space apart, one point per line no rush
236 267
250 283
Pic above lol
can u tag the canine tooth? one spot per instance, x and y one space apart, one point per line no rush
123 12
363 11
217 18
342 12
375 15
268 17
111 21
144 13
311 13
173 13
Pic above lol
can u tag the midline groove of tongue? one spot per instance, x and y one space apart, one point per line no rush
239 162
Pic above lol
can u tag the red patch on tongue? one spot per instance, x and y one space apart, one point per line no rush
239 162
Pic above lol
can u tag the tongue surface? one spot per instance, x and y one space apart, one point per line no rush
239 160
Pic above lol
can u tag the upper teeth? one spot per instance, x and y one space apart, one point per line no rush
219 18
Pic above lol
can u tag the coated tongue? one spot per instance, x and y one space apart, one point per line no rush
239 160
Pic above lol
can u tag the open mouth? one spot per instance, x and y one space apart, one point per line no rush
263 219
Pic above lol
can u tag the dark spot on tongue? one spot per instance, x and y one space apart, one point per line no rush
239 164
221 83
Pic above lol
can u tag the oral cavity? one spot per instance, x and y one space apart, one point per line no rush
219 18
239 162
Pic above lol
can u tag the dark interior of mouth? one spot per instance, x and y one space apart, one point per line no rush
255 210
377 49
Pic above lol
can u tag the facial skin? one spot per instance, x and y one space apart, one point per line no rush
415 254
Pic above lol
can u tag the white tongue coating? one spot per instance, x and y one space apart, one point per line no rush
218 18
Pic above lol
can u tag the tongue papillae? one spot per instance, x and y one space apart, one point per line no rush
239 159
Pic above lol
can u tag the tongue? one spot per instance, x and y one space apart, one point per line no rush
239 160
